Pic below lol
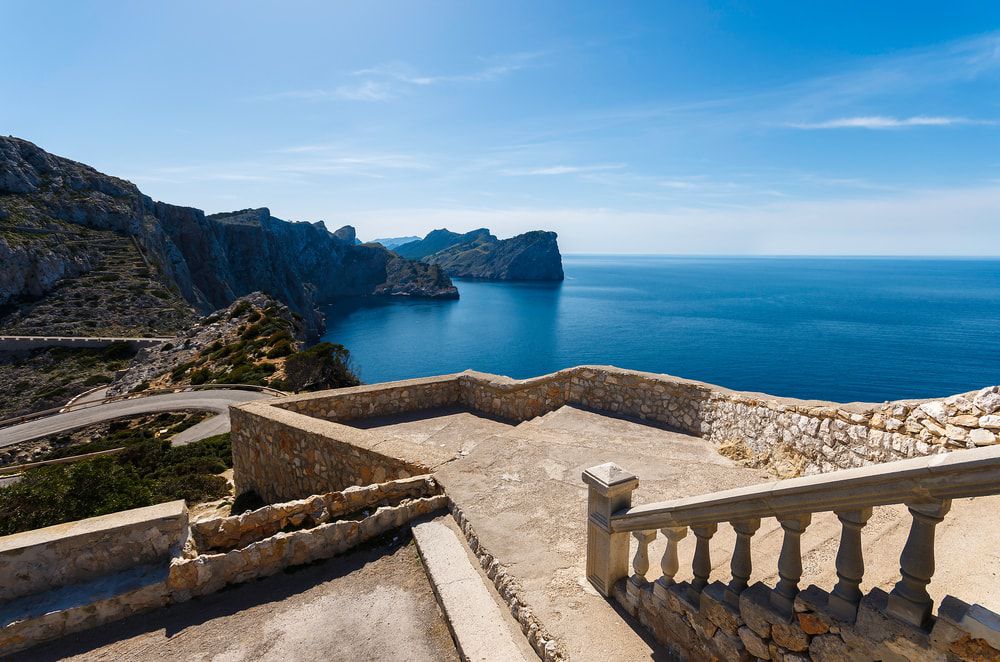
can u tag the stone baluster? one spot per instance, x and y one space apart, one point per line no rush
610 490
702 564
741 565
669 564
909 600
640 562
846 596
789 562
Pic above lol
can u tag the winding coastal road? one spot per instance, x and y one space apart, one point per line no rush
217 400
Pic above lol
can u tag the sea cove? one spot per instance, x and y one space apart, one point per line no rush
842 329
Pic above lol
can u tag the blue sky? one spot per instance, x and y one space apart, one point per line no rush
740 127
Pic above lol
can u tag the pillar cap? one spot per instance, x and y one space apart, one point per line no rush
609 477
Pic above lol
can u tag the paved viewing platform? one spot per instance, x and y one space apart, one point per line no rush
520 488
573 496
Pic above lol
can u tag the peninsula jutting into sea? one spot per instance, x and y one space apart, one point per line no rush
499 332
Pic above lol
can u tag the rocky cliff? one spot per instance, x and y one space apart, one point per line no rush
49 204
479 254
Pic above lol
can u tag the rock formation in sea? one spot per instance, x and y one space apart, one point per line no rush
479 254
49 203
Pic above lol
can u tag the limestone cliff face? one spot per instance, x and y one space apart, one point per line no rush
478 254
210 260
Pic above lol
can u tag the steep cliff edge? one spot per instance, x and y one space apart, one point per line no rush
479 254
49 205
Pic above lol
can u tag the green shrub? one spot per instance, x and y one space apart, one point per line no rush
95 380
322 366
148 471
200 376
282 348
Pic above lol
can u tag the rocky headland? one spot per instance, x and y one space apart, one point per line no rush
480 254
60 220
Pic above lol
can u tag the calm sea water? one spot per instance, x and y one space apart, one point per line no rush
838 329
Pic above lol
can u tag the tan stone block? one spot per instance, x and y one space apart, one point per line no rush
790 636
830 648
729 646
812 624
755 645
716 610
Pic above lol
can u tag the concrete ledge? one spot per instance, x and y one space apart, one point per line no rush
75 552
476 621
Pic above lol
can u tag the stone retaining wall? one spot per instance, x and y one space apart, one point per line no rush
131 587
75 552
208 573
226 533
285 455
291 459
712 629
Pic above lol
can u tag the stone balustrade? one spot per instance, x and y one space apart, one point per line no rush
690 618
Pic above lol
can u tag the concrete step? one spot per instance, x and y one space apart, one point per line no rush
483 631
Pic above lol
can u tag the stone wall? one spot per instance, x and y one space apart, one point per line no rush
283 455
376 400
712 629
55 556
292 447
132 586
226 533
824 435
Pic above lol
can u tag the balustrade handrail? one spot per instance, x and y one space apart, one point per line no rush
956 475
926 485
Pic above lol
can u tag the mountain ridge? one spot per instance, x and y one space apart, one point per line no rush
209 260
532 255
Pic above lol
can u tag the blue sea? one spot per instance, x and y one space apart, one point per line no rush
842 329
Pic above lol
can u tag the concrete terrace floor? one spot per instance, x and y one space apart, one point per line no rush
520 487
372 604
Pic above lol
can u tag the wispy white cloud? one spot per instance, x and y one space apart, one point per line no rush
561 170
390 80
885 122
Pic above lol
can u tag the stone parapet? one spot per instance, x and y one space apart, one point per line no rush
290 447
76 552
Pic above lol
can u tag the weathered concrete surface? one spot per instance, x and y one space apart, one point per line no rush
374 604
477 622
206 400
523 494
453 429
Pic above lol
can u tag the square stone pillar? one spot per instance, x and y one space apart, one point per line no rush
610 490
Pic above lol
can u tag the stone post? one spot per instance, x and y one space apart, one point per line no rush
909 600
789 562
702 563
741 564
846 595
669 564
640 562
610 490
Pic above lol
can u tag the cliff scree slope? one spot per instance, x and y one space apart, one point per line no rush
50 205
479 254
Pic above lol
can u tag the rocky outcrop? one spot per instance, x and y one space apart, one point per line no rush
209 260
438 240
479 254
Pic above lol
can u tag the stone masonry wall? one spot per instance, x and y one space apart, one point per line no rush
280 460
74 552
825 436
713 630
281 455
188 573
377 400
